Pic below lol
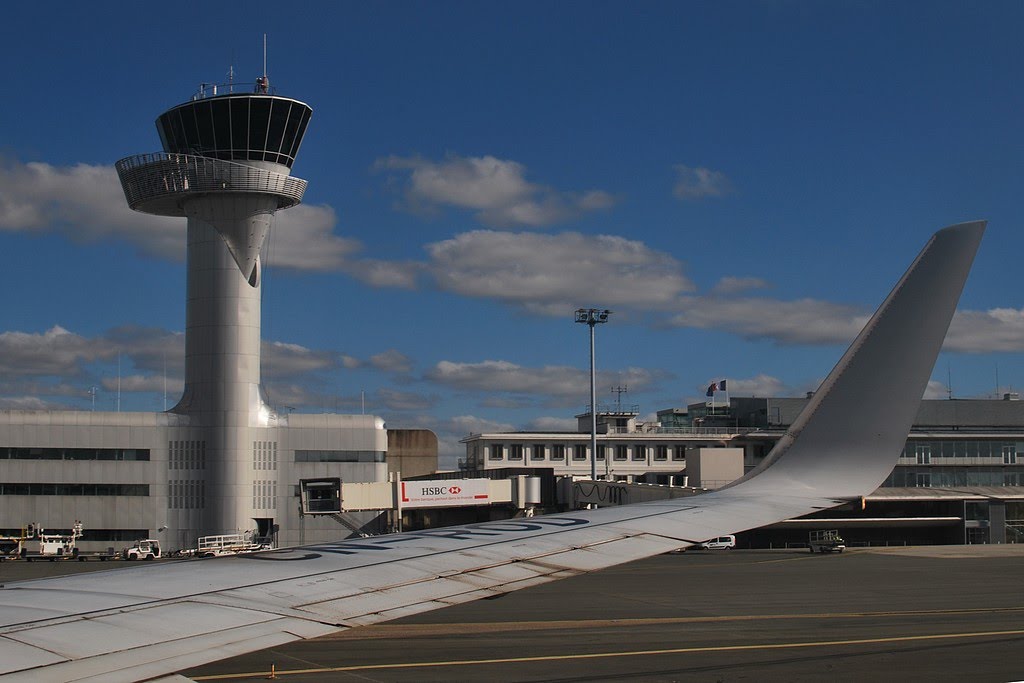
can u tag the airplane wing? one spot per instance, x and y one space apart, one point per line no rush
148 622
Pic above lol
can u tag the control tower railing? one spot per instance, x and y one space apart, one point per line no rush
232 88
156 183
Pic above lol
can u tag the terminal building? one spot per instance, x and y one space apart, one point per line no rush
958 479
221 461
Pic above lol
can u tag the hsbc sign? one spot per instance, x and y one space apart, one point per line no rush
445 493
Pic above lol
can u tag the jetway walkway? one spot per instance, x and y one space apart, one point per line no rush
332 496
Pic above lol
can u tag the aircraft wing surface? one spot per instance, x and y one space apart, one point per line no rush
148 622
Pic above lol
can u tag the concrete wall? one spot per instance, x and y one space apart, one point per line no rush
413 452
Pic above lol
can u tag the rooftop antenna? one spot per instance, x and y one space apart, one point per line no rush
949 382
262 83
618 399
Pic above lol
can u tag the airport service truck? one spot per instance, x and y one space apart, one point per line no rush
826 542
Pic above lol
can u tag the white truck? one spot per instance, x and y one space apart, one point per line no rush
146 549
826 541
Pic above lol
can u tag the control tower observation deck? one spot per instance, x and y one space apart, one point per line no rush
225 166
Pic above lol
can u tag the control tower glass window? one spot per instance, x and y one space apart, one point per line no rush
236 128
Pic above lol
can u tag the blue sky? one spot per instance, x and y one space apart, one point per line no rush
740 182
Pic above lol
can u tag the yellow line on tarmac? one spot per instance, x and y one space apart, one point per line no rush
378 631
631 653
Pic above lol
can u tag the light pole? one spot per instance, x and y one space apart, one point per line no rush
591 317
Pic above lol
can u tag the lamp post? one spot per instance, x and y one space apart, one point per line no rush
591 317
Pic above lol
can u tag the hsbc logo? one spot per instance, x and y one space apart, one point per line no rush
435 490
455 490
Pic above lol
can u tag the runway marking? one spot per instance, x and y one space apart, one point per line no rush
631 653
378 631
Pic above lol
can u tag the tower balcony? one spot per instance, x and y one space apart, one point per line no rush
161 182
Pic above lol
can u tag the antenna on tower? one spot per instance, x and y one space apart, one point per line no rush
618 399
263 83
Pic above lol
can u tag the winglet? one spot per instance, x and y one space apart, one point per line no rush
847 439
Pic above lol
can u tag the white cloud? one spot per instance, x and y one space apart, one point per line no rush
496 189
698 182
391 361
552 424
805 321
145 383
556 385
555 274
282 360
403 401
86 204
735 285
464 425
998 329
55 352
759 385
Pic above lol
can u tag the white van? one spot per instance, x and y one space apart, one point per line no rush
720 543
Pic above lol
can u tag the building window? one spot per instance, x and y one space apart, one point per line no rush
74 453
679 453
602 452
537 453
18 489
334 456
640 452
661 452
579 452
515 451
1009 454
620 451
558 451
923 451
497 451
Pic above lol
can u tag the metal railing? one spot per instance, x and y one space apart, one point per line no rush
154 183
232 88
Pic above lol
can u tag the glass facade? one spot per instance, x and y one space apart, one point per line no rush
74 453
236 128
948 476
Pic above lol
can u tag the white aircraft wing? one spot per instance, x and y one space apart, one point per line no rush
148 622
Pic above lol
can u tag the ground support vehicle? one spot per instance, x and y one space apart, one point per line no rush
826 542
101 555
146 549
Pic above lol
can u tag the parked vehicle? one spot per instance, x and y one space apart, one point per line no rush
826 542
719 543
146 549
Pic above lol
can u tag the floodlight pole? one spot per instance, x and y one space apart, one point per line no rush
591 317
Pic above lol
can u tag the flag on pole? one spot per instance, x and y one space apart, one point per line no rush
716 386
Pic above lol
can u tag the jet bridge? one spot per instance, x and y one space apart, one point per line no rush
332 496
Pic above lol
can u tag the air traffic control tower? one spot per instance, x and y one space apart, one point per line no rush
221 461
225 166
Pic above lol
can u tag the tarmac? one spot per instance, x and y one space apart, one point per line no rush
941 613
